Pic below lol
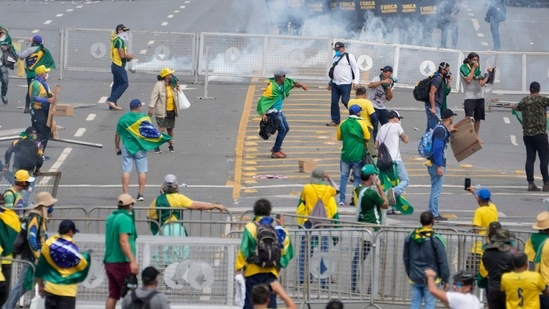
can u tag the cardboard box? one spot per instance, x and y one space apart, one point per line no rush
64 110
306 166
464 141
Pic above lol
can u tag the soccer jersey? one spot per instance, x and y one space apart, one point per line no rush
367 110
369 205
484 215
522 289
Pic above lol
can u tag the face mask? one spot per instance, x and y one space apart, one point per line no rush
124 36
338 53
46 77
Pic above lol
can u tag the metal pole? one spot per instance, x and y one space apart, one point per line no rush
206 75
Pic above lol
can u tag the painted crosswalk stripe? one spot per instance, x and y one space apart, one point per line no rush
80 132
91 117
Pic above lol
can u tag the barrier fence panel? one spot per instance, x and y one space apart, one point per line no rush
51 39
45 181
87 50
17 268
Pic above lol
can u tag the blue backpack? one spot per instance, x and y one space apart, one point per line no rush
425 147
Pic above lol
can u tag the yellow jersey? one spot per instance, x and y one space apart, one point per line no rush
522 289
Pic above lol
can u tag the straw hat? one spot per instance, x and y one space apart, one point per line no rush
44 199
542 221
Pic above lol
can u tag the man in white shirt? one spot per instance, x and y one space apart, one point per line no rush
462 298
345 75
382 91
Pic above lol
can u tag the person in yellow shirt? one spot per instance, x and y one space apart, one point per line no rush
9 229
368 114
538 253
164 104
522 287
485 214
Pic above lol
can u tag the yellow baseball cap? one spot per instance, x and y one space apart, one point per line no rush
165 72
41 70
23 175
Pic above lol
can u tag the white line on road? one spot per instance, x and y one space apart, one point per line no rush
80 132
47 22
79 6
59 15
35 30
164 23
91 117
471 14
513 140
151 42
187 1
55 167
475 24
484 43
480 34
506 120
102 100
143 51
176 11
170 16
69 10
182 7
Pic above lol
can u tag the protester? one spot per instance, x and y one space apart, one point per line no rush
8 57
14 197
148 293
135 144
31 249
437 94
61 267
119 57
382 92
120 250
485 214
534 134
270 106
448 22
497 11
498 259
255 274
345 75
334 304
424 249
462 298
538 253
354 134
42 98
261 295
436 165
35 56
9 229
164 104
368 210
368 115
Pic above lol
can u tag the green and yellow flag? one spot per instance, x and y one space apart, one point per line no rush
390 180
9 228
138 133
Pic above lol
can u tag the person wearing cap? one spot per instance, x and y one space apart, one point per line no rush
368 210
61 267
36 227
119 57
346 75
354 134
437 160
270 106
425 249
10 226
120 257
17 196
485 214
437 95
391 134
41 97
164 104
35 56
381 92
498 259
8 57
534 134
538 252
148 293
320 188
132 144
473 83
462 298
367 113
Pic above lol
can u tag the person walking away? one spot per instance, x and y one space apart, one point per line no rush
14 197
462 298
448 22
436 165
148 294
473 81
61 267
42 99
164 104
319 189
35 225
534 134
437 94
497 11
120 255
120 57
138 135
368 210
10 226
498 259
8 58
35 56
382 92
368 115
485 214
255 274
346 74
424 249
270 106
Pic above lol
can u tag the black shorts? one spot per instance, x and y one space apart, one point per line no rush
474 108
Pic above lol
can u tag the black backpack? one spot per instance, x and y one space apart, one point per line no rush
142 303
267 252
421 90
26 154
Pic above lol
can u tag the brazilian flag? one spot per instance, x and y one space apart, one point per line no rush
389 180
9 228
61 262
138 133
519 117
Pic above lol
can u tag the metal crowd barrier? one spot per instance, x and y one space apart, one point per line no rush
45 181
16 272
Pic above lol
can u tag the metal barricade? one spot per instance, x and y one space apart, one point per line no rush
51 39
17 267
45 181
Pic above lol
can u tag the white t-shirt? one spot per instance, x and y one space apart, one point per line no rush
462 301
377 95
389 134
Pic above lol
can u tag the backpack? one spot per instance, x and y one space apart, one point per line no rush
20 244
26 154
142 303
425 147
422 88
267 252
384 160
318 211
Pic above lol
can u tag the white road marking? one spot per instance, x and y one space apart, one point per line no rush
475 24
471 14
150 42
102 100
69 10
47 22
55 167
480 34
513 140
506 120
170 16
176 11
484 43
164 23
91 117
35 30
80 132
187 1
79 6
143 51
59 15
110 86
182 7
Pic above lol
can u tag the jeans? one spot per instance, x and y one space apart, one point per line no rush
343 92
4 79
345 168
402 177
382 117
432 120
359 252
119 84
436 189
283 129
251 281
537 143
18 289
451 27
494 28
39 118
419 292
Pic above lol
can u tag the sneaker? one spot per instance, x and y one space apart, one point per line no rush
332 124
278 155
45 158
140 197
393 211
157 150
26 110
170 148
391 197
341 203
4 100
440 218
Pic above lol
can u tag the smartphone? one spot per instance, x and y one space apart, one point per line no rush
467 183
277 216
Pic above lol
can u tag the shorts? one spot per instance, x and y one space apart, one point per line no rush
116 273
168 121
140 159
474 108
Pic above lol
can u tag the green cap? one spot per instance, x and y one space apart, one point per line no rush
369 169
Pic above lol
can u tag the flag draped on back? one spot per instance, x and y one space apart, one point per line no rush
61 262
9 228
138 133
389 180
